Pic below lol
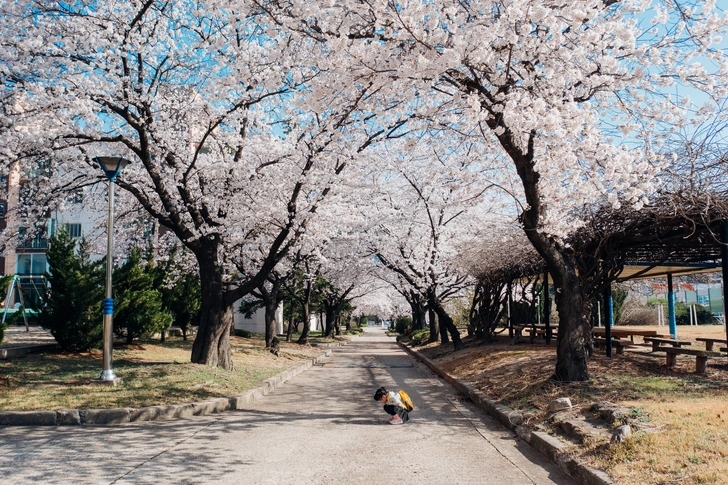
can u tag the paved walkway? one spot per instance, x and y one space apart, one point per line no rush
322 427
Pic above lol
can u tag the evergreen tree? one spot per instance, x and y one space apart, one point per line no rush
180 288
184 301
73 308
158 273
139 307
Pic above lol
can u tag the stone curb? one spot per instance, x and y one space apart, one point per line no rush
70 417
549 446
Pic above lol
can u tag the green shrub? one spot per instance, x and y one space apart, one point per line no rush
180 289
239 332
184 301
139 309
402 325
420 337
682 315
619 295
73 309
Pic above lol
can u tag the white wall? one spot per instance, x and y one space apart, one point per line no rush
256 324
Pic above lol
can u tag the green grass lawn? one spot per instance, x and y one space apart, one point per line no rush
153 373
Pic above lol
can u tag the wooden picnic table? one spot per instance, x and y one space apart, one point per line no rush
625 333
709 342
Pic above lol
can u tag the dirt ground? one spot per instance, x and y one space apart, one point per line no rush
678 417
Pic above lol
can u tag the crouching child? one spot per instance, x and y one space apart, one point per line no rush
396 404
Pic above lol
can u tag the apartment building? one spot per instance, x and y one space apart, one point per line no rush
25 250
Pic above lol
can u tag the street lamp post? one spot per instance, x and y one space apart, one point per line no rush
112 166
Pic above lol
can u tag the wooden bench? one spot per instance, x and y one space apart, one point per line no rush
617 343
701 357
533 331
662 343
517 333
709 342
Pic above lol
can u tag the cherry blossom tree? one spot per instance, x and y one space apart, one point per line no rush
236 131
577 96
244 115
347 275
430 199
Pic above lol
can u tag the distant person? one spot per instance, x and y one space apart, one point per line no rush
396 404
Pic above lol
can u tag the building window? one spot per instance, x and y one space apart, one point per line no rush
24 264
32 264
77 196
39 265
74 230
2 210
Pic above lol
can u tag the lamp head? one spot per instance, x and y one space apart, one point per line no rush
112 166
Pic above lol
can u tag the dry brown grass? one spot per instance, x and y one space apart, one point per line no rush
689 444
682 417
152 374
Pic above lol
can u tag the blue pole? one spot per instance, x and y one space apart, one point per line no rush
107 374
607 296
610 307
671 307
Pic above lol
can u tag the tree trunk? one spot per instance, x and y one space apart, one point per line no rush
440 326
419 309
434 326
574 337
472 313
270 299
270 321
212 343
303 339
447 323
291 319
330 318
574 331
305 302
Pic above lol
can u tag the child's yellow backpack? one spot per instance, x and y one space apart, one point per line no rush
406 401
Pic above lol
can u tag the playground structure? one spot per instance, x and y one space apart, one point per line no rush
15 287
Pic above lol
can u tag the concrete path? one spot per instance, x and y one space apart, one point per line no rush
322 427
